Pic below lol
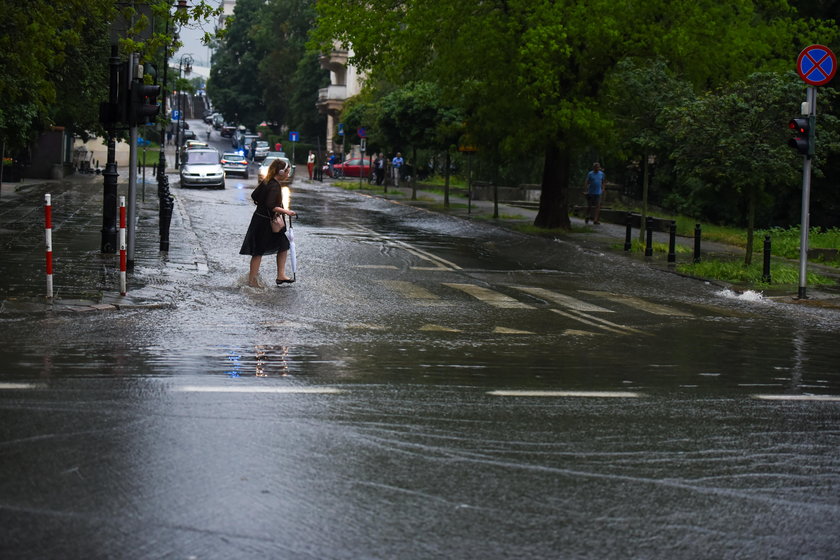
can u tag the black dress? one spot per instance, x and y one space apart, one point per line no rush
259 239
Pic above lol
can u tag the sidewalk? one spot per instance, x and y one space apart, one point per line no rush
84 279
605 237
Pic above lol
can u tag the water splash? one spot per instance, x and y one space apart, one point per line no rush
748 295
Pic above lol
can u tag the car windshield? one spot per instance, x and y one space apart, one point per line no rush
201 157
233 157
262 144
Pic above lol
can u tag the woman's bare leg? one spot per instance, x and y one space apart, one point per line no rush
281 265
254 271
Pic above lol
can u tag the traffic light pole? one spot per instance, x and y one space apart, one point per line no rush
811 99
109 196
131 207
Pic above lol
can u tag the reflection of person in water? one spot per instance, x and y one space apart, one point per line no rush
267 366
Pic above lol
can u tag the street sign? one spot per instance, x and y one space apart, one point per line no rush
361 132
293 136
341 129
176 115
816 65
364 144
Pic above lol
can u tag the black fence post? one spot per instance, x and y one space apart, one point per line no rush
672 242
628 244
765 276
649 237
697 234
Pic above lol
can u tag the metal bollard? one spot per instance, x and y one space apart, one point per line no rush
649 237
765 276
628 244
672 242
697 233
167 203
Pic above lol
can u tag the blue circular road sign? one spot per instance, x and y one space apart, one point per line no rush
816 65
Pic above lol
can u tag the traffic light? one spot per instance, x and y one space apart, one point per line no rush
144 107
803 141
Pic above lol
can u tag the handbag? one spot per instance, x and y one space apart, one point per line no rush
278 223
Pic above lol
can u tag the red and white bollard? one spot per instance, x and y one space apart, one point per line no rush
122 247
48 239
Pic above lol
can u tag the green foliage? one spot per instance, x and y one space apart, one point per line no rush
781 274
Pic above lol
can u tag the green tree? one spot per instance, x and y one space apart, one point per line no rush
637 93
530 72
735 141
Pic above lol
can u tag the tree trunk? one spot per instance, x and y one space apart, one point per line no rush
750 225
554 195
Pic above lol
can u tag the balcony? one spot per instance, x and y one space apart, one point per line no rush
331 99
336 61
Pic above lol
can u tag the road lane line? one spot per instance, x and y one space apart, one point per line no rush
441 263
256 389
573 394
490 297
599 323
564 300
430 327
813 398
638 303
17 386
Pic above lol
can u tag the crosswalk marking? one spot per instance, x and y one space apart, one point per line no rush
438 328
506 330
490 297
564 300
410 289
599 323
654 308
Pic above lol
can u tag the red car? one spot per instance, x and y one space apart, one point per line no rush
355 167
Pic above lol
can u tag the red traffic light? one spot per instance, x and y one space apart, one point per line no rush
803 141
799 126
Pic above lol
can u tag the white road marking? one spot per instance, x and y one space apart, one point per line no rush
564 300
257 389
429 327
576 394
599 323
506 330
489 297
646 306
410 289
17 386
815 398
440 263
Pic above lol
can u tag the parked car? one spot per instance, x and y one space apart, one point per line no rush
235 162
267 161
202 167
262 150
355 167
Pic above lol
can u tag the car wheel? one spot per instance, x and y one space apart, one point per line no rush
246 175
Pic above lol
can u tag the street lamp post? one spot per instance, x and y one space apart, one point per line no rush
184 67
167 202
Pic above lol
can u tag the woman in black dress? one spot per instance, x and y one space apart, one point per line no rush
260 240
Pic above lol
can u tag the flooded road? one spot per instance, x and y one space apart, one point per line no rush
428 388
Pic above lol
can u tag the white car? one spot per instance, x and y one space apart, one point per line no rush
267 161
202 168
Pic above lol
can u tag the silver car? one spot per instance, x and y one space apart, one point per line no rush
263 171
202 168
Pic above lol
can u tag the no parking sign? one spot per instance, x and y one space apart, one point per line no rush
816 65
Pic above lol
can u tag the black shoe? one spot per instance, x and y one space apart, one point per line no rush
280 282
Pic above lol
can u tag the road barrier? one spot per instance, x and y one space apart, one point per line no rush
48 240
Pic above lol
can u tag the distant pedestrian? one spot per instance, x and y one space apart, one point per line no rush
331 161
379 168
260 239
396 165
278 147
310 163
593 188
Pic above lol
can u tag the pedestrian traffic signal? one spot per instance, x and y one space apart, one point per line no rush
803 140
144 107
